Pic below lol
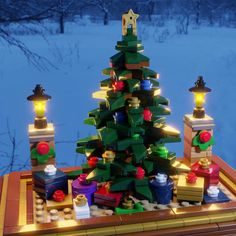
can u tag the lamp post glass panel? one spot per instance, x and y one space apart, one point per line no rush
199 91
39 99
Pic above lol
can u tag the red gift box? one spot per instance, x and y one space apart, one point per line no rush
210 173
106 198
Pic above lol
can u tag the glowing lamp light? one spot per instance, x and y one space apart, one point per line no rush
199 91
39 99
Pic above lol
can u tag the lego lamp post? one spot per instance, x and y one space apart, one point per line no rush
199 91
198 127
41 133
39 99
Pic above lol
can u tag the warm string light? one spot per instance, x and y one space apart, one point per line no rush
199 91
39 99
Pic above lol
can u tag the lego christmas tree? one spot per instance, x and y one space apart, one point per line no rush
130 120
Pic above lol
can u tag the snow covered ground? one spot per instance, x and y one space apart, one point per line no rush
84 51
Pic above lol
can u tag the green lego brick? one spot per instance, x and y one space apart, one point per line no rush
139 151
132 48
80 149
107 135
137 208
148 166
129 36
160 100
135 58
160 150
108 71
142 190
149 73
120 74
159 120
122 169
155 83
159 110
74 174
129 43
116 103
168 139
100 175
117 58
121 184
90 121
133 84
135 119
103 166
135 116
84 141
126 143
106 83
42 159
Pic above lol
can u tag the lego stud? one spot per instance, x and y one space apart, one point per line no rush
128 203
204 163
213 191
147 114
50 170
92 162
80 200
129 19
134 102
108 156
42 148
146 85
199 91
120 117
161 178
58 196
205 136
191 178
82 179
39 99
140 173
118 85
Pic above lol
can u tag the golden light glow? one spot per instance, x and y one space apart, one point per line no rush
199 99
171 130
39 108
157 92
101 94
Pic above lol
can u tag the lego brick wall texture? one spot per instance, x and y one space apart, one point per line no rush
205 219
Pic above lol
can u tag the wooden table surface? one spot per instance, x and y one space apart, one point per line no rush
17 214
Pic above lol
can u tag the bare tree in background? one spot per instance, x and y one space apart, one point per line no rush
62 10
10 156
22 11
104 6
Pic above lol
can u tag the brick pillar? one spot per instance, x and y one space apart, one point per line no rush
192 126
41 135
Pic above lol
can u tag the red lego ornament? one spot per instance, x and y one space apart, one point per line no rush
147 114
118 85
140 173
205 136
191 178
43 148
92 162
58 196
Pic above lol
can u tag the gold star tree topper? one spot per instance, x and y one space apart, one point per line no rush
129 19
